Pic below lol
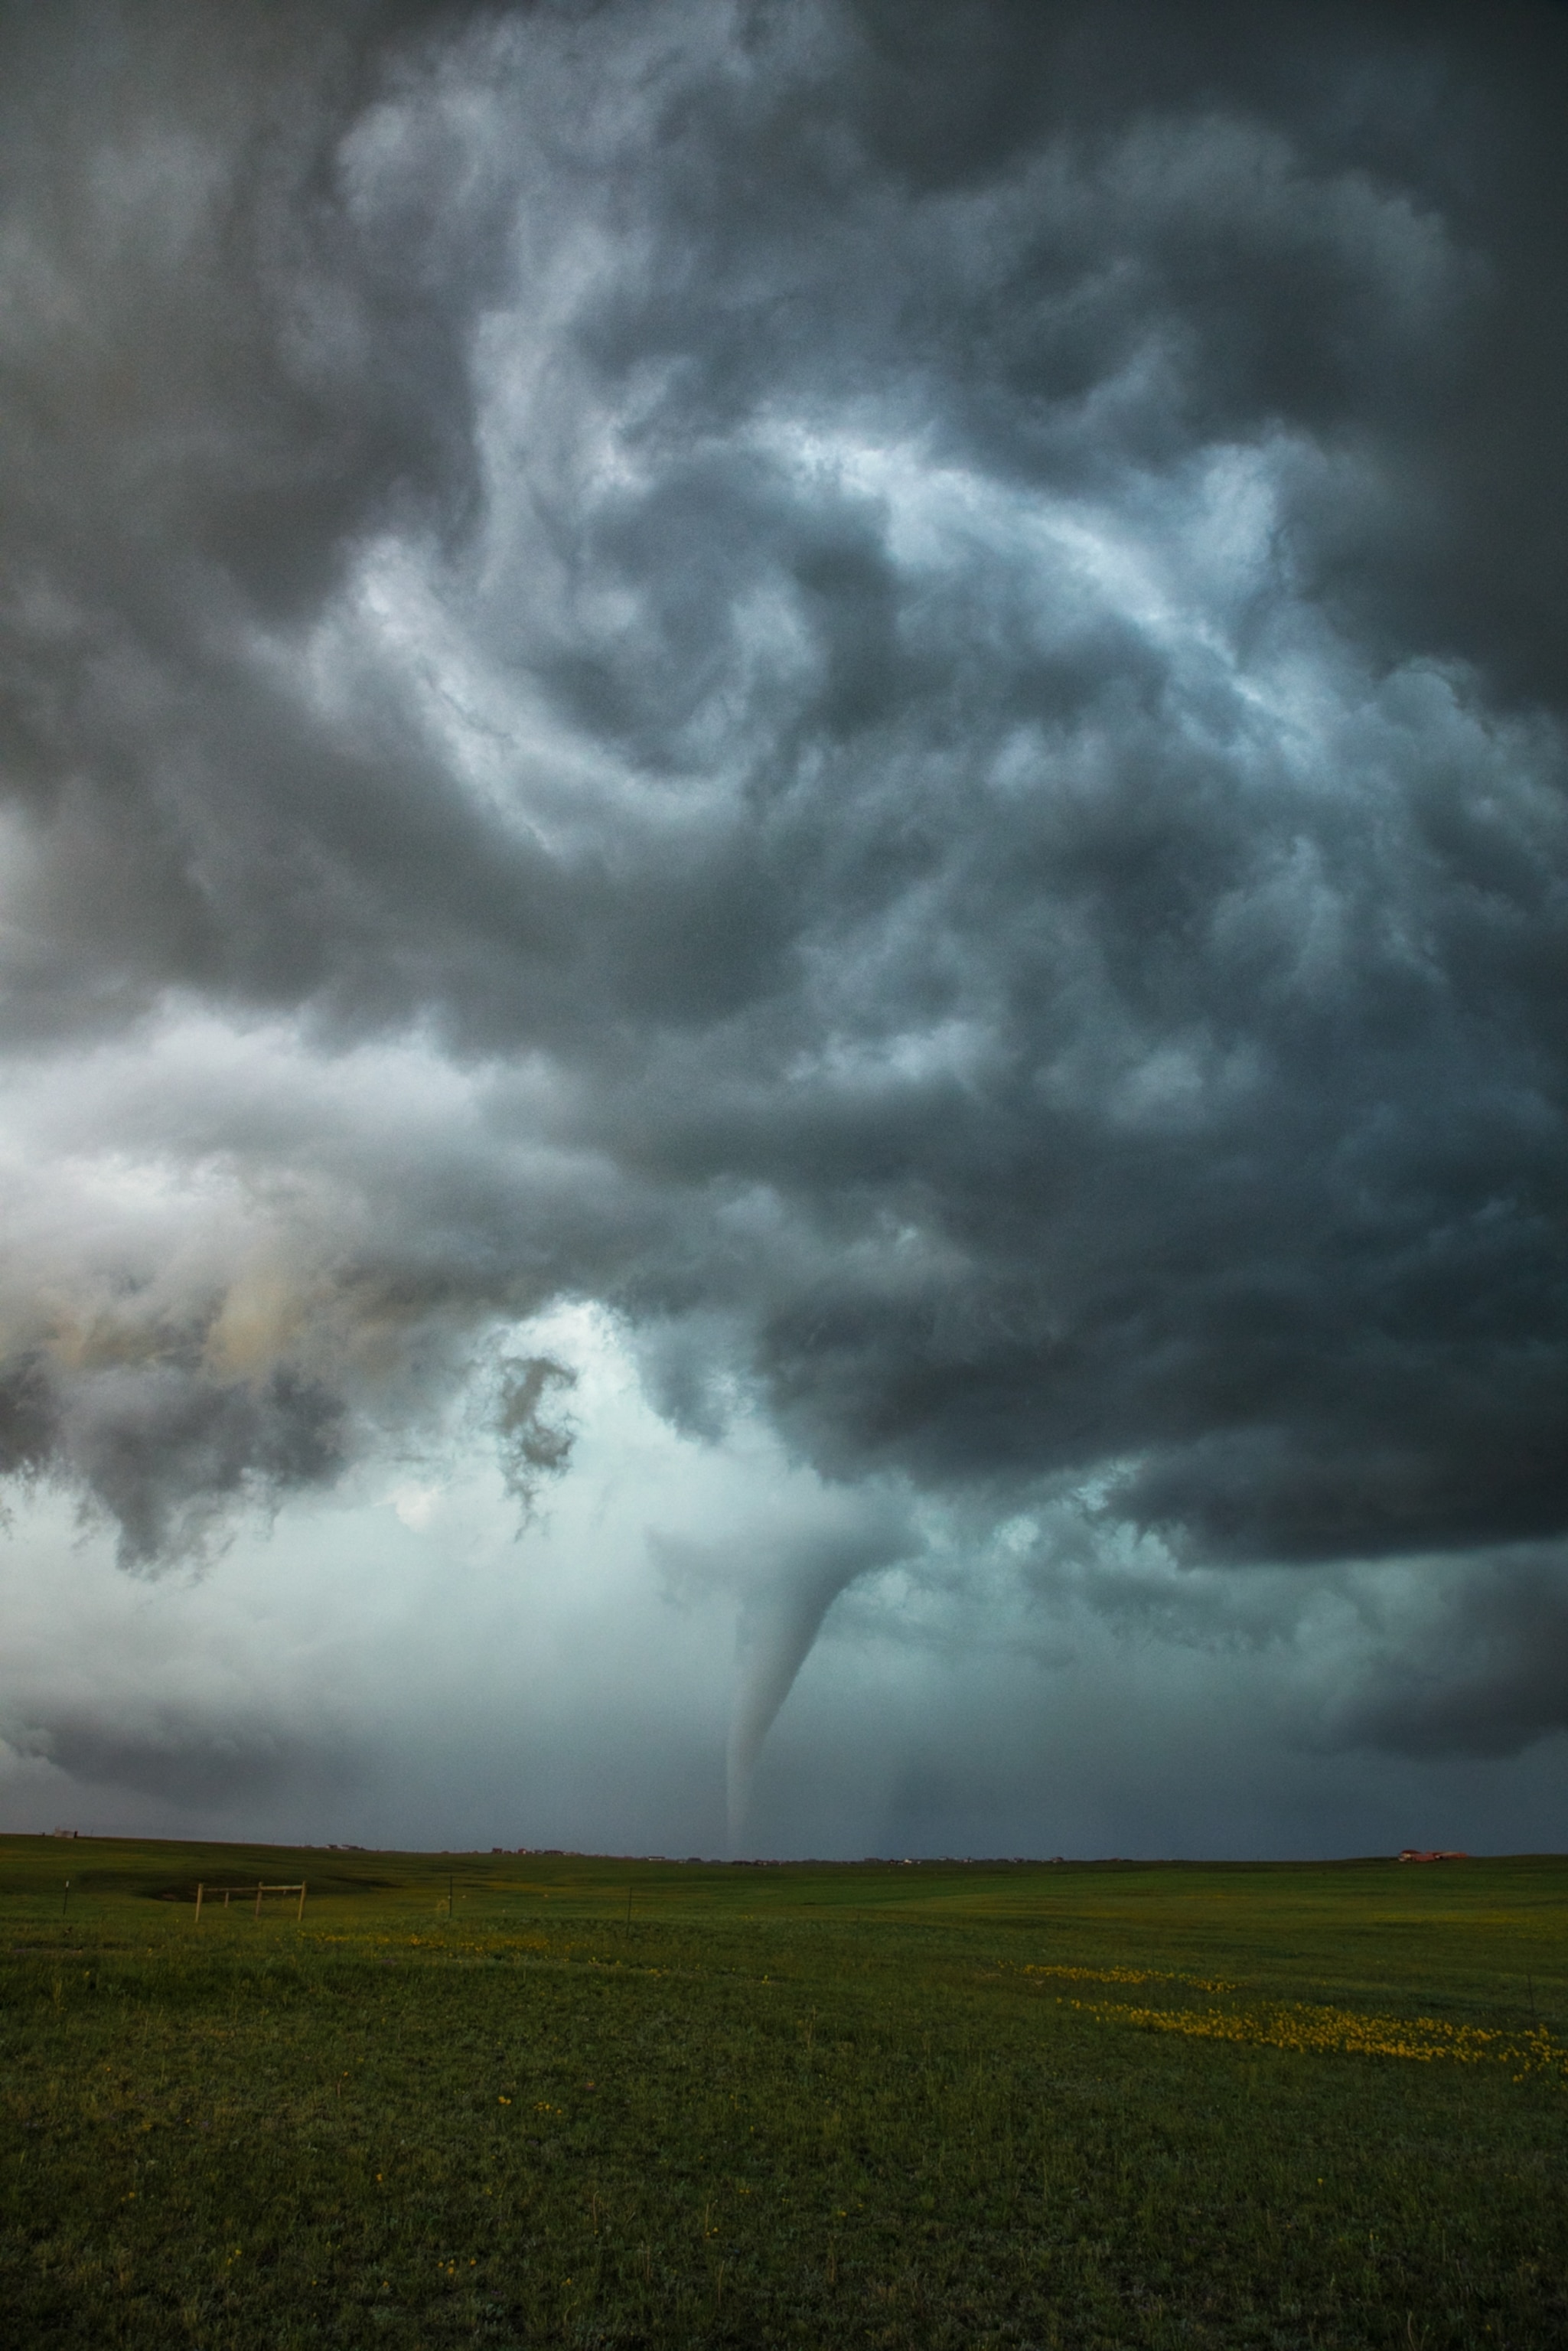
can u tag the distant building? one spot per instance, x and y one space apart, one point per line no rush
1411 1853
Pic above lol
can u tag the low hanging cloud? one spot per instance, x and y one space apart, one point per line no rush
880 686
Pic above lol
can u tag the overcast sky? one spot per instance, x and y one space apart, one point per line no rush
784 923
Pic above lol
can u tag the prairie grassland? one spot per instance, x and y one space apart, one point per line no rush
534 2100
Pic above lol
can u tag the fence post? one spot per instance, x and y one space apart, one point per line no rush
258 1901
198 1917
300 1912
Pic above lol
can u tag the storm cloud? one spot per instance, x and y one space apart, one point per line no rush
881 688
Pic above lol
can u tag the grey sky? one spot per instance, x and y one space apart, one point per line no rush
783 787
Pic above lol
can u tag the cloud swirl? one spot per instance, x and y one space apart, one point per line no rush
883 685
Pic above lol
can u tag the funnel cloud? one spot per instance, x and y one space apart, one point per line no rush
789 784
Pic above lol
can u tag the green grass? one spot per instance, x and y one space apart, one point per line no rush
807 2105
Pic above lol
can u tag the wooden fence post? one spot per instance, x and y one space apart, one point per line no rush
300 1912
198 1917
258 1901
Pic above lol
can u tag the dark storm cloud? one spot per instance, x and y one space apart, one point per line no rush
27 1419
923 644
163 1448
188 1756
1474 1662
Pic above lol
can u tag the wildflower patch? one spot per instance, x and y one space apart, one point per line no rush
1130 1976
1314 2029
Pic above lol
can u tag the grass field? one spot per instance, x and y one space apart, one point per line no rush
511 2101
